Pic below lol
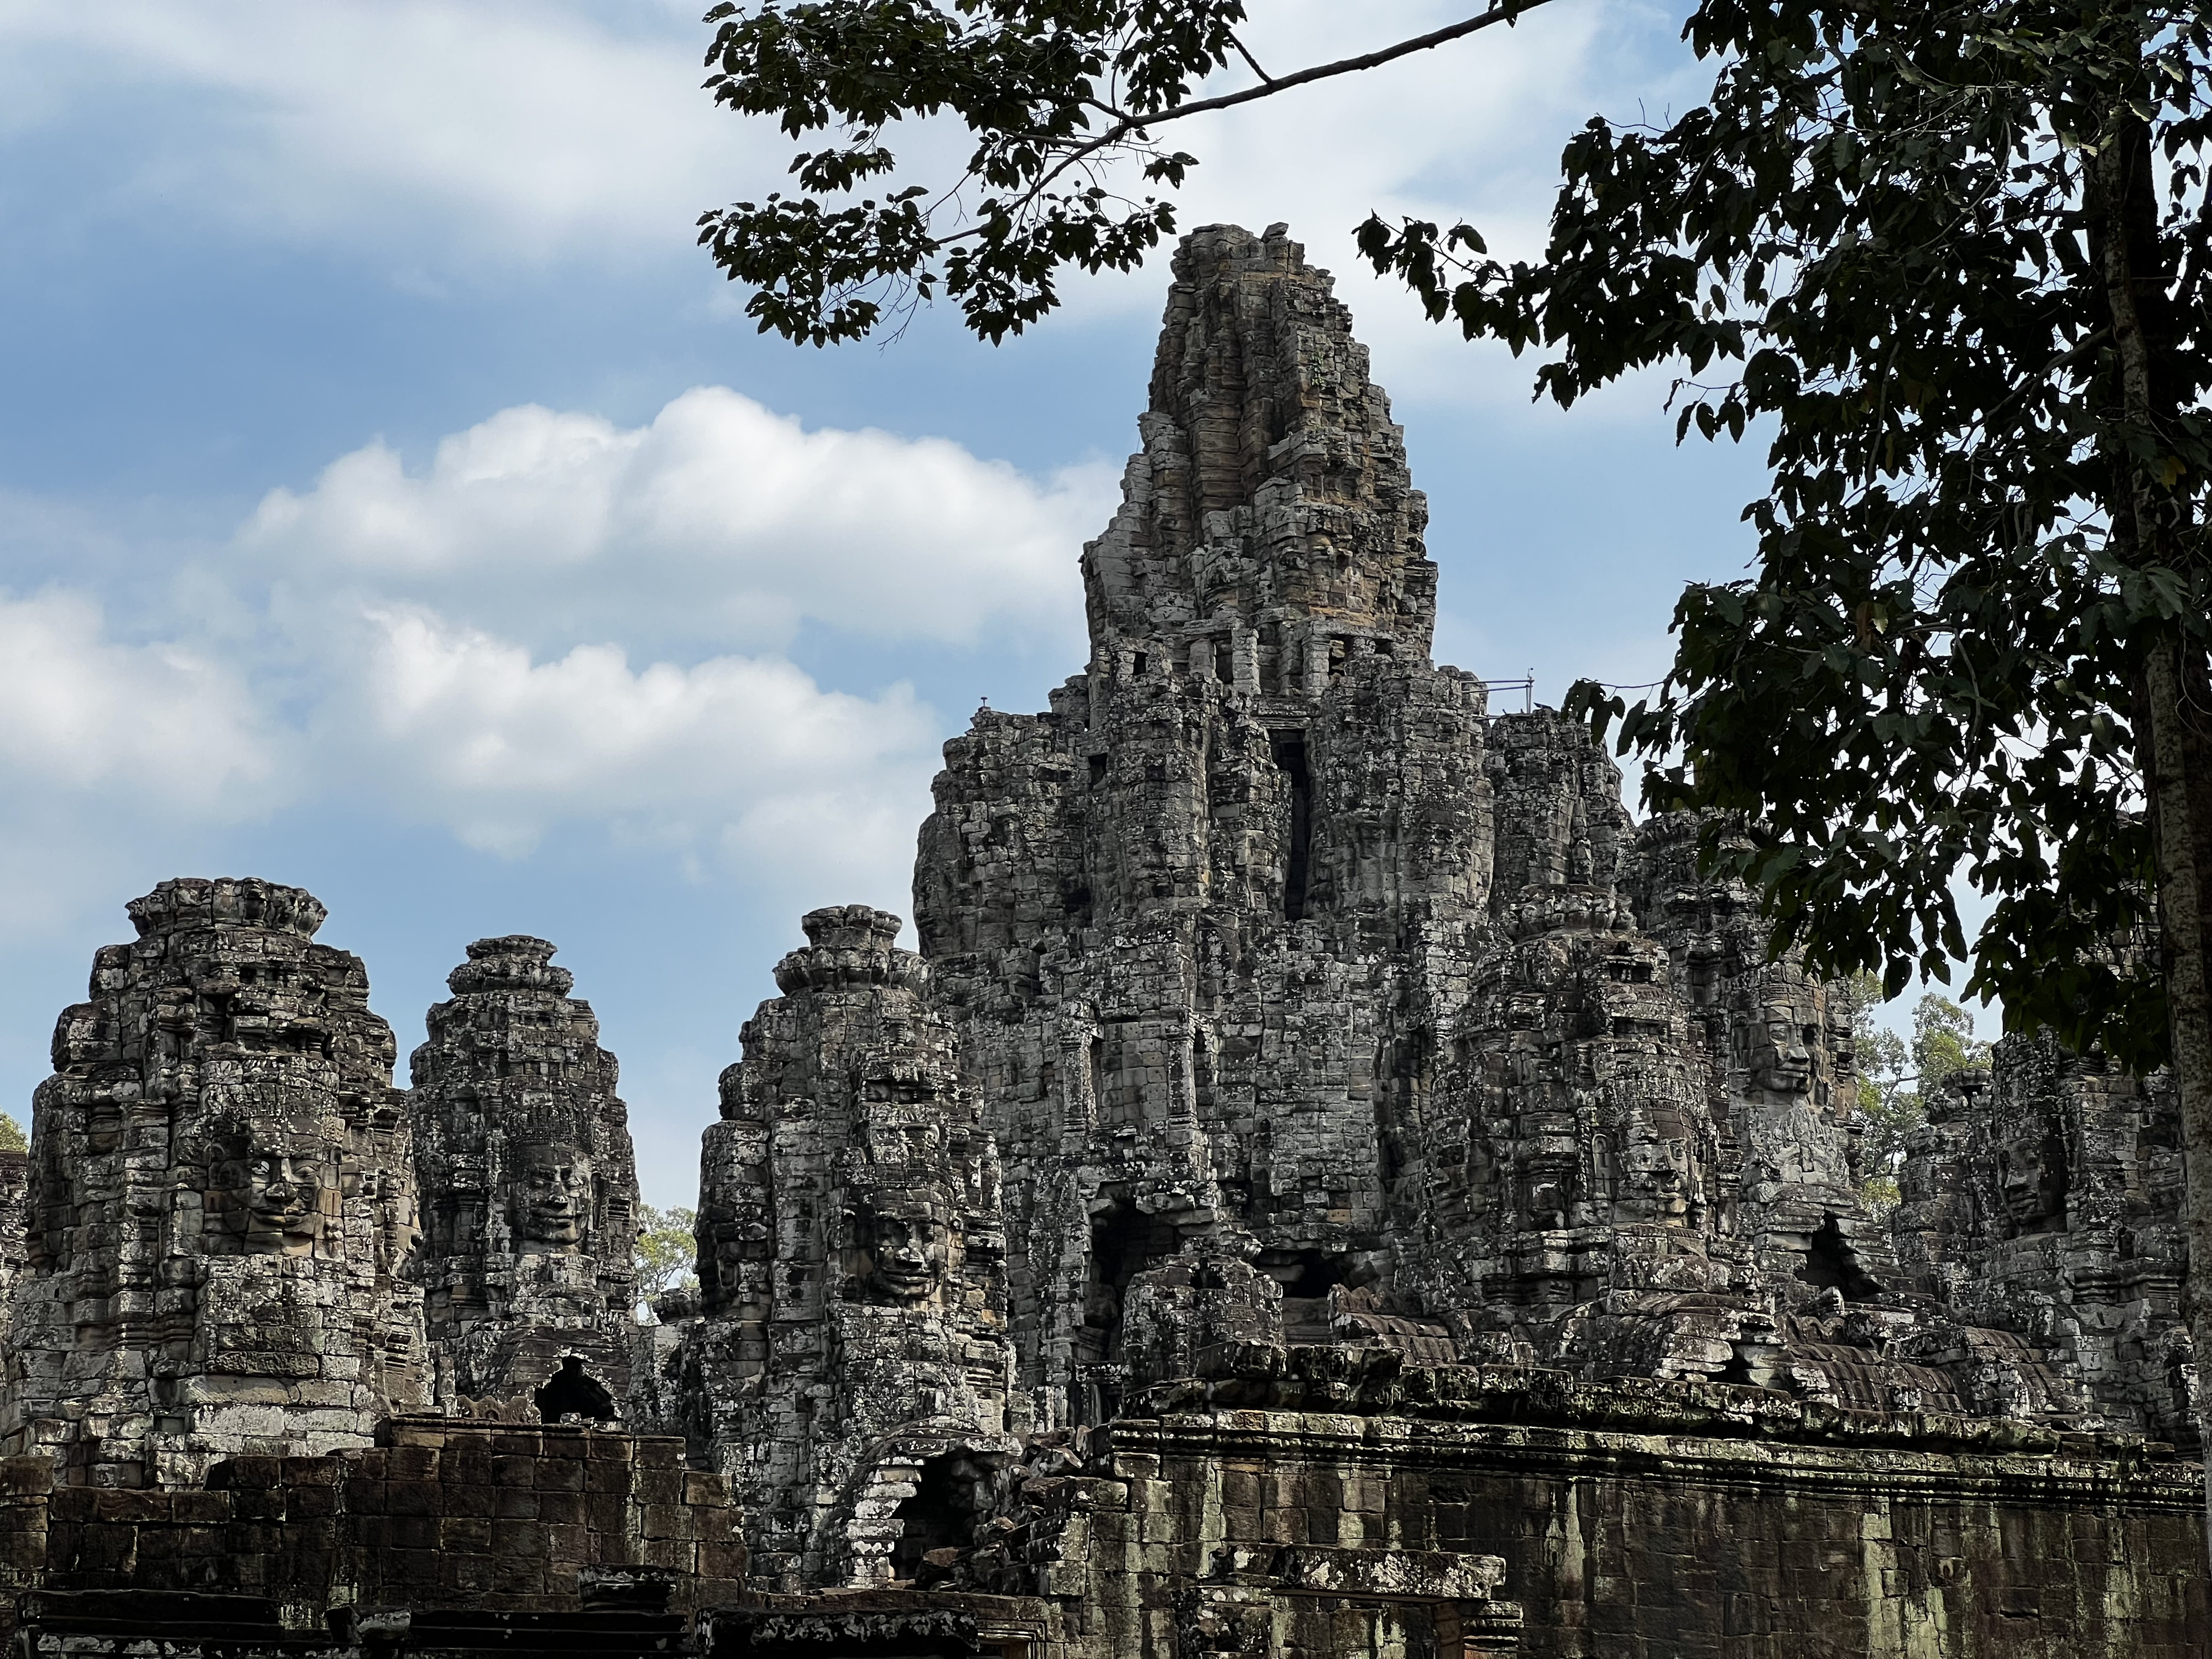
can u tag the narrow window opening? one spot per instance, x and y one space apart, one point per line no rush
1097 770
1224 662
1289 752
1307 1278
1124 1242
1392 1159
1137 664
1075 901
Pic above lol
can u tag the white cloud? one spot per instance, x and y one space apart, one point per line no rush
485 645
847 844
161 724
721 522
465 728
501 129
441 137
109 749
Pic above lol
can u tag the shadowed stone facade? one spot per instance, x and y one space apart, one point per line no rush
1330 1182
2042 1204
530 1205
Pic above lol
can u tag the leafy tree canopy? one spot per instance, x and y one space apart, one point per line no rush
1887 239
1059 97
1943 1040
667 1252
1896 1077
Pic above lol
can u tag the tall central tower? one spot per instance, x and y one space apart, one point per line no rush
1195 921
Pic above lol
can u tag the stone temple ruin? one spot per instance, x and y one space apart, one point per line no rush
1329 1181
529 1200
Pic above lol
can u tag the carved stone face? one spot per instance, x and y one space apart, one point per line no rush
899 1084
725 1255
909 1250
271 1185
1548 1186
2032 1181
1782 1050
552 1197
1657 1178
2164 1179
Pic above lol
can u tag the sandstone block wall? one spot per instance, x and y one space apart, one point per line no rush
1650 1522
493 1518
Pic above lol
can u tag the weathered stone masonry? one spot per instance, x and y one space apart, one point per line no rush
1330 1182
851 1354
530 1192
222 1200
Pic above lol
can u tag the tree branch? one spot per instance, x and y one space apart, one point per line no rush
1504 11
1245 52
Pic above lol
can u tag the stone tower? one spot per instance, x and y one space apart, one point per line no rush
1573 1153
1780 1046
530 1189
849 1367
2043 1206
1269 949
1195 922
221 1202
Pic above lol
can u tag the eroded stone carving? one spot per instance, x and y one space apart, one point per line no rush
849 1360
530 1188
2042 1203
220 1206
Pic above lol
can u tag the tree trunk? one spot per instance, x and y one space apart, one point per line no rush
2176 748
2181 766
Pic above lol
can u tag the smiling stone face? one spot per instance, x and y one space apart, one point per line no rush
2032 1180
267 1187
1783 1046
1658 1175
910 1249
552 1197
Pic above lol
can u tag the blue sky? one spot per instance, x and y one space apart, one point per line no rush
395 502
